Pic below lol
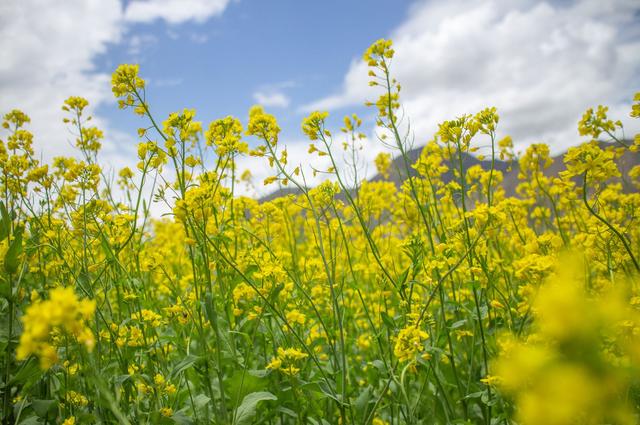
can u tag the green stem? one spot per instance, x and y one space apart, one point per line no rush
606 223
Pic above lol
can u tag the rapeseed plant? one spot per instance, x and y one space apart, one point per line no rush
440 299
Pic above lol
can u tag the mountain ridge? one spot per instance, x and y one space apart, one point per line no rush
509 169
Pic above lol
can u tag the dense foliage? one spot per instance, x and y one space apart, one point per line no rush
440 301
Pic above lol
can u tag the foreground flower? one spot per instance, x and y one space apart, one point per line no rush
63 313
579 364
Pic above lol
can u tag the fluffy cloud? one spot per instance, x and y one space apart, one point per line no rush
174 11
541 64
140 42
297 152
272 98
49 53
273 94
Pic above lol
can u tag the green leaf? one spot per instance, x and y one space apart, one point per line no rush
31 420
29 372
387 320
458 324
5 292
209 308
242 383
379 364
402 279
200 403
201 400
5 222
288 412
247 409
12 256
184 364
258 373
119 380
326 390
181 418
43 407
362 402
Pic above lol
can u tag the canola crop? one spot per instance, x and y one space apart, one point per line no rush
441 300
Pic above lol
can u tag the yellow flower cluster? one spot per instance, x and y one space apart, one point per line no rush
313 306
635 108
409 342
76 399
313 125
580 361
377 52
226 135
52 322
126 85
383 163
591 162
287 361
263 125
593 123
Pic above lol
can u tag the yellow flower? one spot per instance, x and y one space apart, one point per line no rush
148 316
76 399
408 342
294 316
170 389
274 364
62 312
226 135
363 342
383 162
378 51
572 368
496 304
263 125
125 82
313 125
490 380
635 108
593 123
286 361
15 117
181 125
269 180
159 380
589 158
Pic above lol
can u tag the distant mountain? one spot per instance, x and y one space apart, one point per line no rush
397 172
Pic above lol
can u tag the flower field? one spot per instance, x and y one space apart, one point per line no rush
441 301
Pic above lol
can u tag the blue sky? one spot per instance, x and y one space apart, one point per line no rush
299 49
541 63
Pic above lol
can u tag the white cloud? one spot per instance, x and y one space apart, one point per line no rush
273 94
541 64
272 98
174 11
140 42
48 55
297 154
198 38
49 51
166 82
